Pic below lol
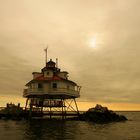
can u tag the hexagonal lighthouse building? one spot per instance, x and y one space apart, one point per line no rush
50 92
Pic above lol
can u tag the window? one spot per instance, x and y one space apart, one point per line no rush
68 87
54 85
40 85
48 73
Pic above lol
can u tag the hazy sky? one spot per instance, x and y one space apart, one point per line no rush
109 72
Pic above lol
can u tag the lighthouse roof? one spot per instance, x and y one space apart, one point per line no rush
49 79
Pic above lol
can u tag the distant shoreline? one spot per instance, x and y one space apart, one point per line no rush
86 110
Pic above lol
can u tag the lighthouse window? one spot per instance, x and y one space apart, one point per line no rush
40 85
54 85
68 87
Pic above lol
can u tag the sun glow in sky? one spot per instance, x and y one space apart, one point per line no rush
92 43
73 29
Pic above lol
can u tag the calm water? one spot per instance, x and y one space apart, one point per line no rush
71 130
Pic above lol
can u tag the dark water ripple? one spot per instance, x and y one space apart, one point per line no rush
71 130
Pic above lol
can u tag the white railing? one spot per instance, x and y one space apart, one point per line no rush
53 91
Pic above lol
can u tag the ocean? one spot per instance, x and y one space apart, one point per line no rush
41 129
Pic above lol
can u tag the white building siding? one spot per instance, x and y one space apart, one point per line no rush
72 87
48 73
63 75
63 84
34 85
46 86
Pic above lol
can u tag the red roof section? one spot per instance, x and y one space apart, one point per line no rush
48 78
42 78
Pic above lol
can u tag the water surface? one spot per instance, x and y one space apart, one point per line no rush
71 130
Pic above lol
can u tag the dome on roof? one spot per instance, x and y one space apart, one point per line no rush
51 62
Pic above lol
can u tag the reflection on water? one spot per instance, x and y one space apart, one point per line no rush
47 129
70 130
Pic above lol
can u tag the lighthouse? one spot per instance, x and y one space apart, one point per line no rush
51 92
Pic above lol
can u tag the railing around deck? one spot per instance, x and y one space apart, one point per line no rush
53 91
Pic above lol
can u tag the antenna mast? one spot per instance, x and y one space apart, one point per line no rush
46 51
57 62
